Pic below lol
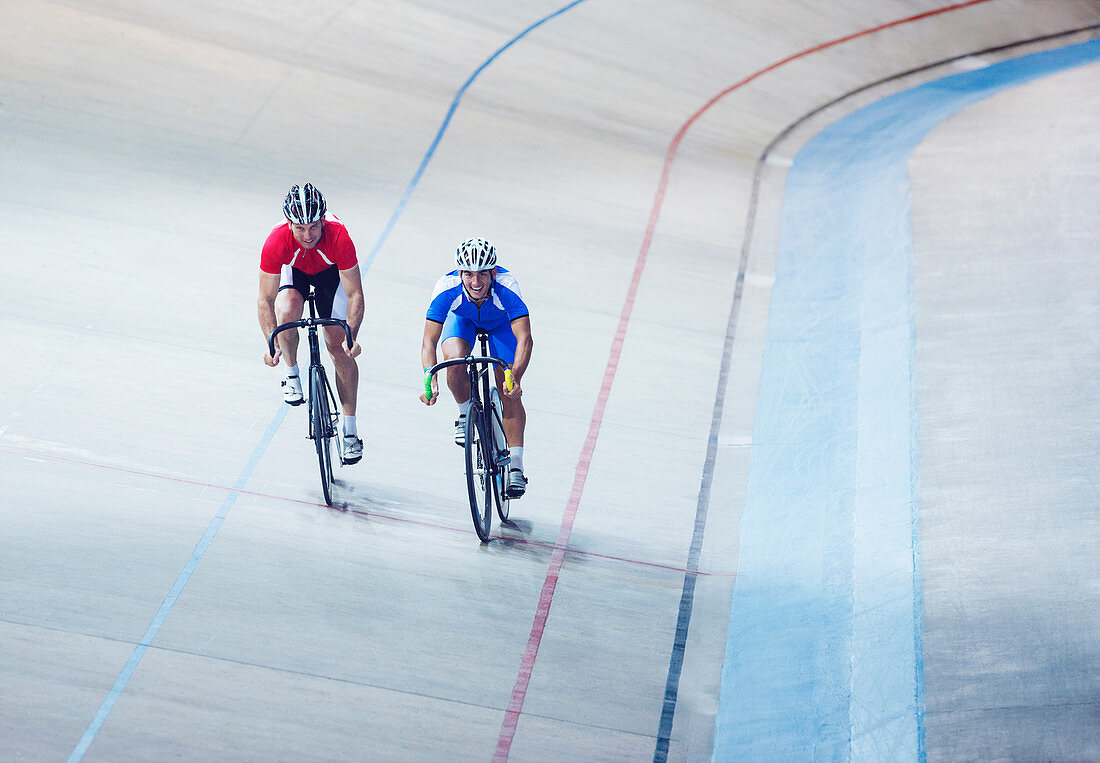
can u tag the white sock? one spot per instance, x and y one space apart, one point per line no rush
349 425
464 408
292 370
517 458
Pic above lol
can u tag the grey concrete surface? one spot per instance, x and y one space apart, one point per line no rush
145 148
1007 287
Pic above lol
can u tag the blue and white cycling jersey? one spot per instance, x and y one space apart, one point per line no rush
503 306
461 317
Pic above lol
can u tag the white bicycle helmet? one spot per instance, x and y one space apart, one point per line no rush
476 254
304 205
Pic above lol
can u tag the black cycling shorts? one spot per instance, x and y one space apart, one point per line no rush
332 302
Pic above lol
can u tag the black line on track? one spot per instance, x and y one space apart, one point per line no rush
691 574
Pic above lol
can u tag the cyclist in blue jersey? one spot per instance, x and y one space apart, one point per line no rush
478 294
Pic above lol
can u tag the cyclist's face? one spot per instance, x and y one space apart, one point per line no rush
308 234
477 282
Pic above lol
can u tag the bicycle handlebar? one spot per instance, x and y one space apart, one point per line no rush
469 360
306 323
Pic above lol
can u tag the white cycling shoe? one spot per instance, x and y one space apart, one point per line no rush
292 391
353 449
517 483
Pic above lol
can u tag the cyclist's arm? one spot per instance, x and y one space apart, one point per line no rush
265 310
352 282
265 304
521 327
432 331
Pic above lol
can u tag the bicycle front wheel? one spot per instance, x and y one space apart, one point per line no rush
500 471
321 424
478 474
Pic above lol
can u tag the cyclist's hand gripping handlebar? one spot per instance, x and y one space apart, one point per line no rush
428 384
509 382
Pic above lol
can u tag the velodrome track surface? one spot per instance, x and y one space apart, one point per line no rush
169 585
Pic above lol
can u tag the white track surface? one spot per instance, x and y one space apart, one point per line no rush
145 149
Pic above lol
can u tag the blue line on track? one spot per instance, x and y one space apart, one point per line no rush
181 581
212 530
824 656
446 122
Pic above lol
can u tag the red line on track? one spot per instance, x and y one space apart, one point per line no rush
542 611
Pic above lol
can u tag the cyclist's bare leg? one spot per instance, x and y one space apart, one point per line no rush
347 371
288 307
457 381
514 415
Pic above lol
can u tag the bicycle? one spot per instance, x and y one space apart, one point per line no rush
323 409
486 451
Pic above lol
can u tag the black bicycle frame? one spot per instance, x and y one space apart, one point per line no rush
477 368
311 323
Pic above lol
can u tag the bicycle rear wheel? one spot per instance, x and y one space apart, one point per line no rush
478 474
321 426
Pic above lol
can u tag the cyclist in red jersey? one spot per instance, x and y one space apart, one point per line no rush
310 250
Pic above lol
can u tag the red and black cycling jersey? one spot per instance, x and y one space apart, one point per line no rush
334 248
